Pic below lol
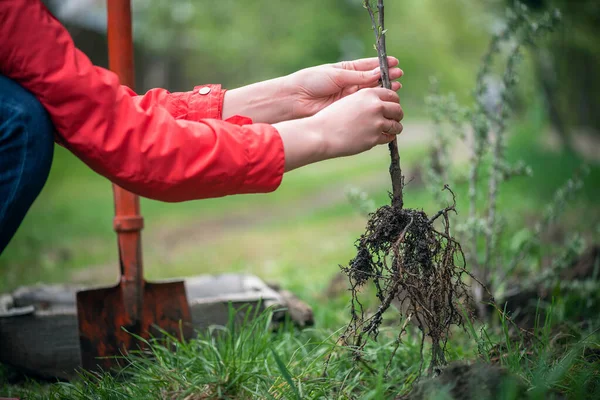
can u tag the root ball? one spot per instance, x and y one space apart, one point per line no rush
411 263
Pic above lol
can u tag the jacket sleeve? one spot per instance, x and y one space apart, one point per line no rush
204 101
134 142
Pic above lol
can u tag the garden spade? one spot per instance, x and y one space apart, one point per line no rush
109 316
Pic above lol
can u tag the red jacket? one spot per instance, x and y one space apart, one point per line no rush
166 146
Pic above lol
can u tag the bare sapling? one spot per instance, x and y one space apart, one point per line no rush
412 261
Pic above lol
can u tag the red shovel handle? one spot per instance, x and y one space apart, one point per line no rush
128 222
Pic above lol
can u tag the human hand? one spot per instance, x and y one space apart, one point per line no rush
306 92
350 126
361 121
312 89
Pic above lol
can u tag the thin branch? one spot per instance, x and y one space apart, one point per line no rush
395 169
385 70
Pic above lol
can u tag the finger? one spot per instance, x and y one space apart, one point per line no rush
393 111
396 86
365 64
395 73
344 78
386 94
385 138
392 127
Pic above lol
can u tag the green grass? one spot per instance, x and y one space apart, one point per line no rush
250 360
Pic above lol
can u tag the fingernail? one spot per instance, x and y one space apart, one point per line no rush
375 71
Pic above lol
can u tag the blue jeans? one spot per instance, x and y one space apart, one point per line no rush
26 149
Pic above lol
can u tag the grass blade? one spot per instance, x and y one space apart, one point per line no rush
286 374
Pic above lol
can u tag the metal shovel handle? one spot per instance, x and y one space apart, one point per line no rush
128 221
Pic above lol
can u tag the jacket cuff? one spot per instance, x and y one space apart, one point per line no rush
266 159
206 101
265 156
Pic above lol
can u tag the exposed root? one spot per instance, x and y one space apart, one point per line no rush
411 263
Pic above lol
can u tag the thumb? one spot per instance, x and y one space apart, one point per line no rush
350 78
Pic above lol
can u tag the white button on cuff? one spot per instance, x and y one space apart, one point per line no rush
204 90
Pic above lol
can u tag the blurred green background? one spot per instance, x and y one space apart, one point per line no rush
299 235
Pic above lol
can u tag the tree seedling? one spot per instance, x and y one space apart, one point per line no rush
411 260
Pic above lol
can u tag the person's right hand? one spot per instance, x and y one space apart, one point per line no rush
349 126
360 121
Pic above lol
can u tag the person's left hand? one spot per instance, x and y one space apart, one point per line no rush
313 89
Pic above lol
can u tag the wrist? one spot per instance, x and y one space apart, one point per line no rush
312 129
304 142
264 102
290 90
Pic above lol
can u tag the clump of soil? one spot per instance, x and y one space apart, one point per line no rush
412 264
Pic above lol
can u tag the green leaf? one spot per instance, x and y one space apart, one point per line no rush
286 374
520 238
